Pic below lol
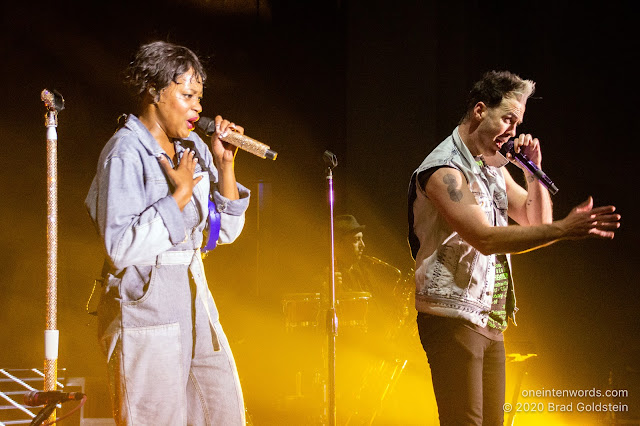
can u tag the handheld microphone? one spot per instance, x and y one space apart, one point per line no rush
208 126
507 147
35 398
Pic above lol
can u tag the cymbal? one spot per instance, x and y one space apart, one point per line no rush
516 357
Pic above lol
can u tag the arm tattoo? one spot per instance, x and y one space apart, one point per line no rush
530 178
452 188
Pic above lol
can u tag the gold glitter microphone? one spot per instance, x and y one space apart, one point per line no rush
208 126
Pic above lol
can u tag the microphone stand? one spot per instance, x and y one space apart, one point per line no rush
46 412
331 317
54 103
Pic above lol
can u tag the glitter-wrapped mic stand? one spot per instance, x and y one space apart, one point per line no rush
54 103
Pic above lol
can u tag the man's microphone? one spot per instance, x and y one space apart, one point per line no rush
208 126
507 147
36 398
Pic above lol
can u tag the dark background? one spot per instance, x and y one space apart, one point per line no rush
377 83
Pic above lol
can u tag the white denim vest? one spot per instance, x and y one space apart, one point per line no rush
453 279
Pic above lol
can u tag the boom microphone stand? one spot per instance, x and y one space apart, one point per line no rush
332 318
54 103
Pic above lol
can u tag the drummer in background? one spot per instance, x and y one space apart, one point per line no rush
362 279
349 247
355 271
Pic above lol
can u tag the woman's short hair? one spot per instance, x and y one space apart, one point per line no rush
157 64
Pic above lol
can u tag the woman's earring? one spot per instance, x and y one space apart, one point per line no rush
154 93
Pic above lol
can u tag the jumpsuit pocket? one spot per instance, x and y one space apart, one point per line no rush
137 284
146 364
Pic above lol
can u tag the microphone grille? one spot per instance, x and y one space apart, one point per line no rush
31 398
207 125
507 147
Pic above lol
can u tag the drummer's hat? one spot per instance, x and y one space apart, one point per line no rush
347 225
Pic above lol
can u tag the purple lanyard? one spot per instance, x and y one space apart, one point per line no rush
214 228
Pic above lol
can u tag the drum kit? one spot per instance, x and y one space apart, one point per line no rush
304 315
303 311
